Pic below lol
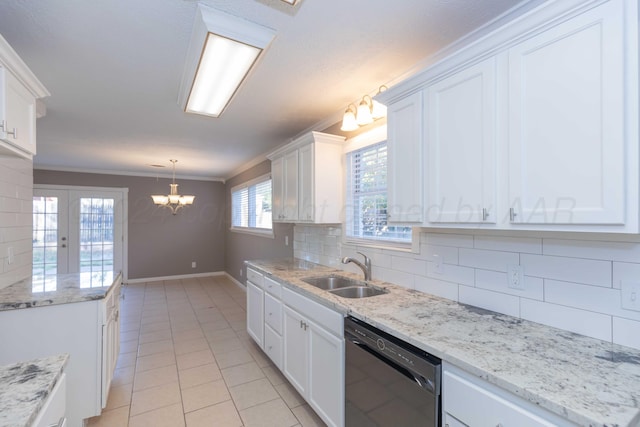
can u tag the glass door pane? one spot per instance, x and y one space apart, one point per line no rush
96 234
50 252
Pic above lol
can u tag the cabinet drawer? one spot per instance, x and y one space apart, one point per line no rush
324 316
255 277
273 346
273 313
273 287
474 402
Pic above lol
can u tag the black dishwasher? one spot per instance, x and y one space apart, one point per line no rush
388 382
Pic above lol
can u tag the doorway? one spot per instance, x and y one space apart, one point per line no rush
79 230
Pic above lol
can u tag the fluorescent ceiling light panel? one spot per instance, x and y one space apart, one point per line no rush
222 51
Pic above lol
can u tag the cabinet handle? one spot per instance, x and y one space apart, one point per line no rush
301 322
485 214
14 132
512 214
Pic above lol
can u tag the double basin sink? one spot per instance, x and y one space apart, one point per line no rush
344 286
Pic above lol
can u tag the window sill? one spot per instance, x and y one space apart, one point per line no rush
409 247
253 231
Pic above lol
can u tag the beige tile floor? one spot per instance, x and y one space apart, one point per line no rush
187 360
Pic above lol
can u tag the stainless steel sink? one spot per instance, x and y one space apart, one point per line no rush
332 282
358 292
344 287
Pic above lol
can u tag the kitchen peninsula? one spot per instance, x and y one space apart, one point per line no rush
76 314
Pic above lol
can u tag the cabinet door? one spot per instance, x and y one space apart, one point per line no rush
326 375
19 115
450 421
290 192
404 161
255 313
296 350
277 188
306 181
566 122
461 141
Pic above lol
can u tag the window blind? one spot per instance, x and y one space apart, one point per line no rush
367 196
251 205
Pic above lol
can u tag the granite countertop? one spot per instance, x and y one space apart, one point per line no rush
587 381
24 388
57 289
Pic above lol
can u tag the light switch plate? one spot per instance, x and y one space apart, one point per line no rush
630 293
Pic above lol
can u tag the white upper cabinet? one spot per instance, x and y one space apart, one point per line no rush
533 126
307 180
19 89
461 146
567 122
404 160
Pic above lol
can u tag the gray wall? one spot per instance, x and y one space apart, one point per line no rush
161 244
240 247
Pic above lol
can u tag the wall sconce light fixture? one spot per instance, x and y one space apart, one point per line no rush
367 112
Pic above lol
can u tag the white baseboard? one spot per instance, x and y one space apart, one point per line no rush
178 277
240 284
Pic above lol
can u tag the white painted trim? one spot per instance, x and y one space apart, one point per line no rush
176 277
254 231
371 137
12 61
497 36
304 140
126 173
261 178
238 283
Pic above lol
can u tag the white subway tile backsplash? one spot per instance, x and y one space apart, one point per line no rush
569 284
497 282
436 287
445 239
626 332
448 254
616 251
489 300
488 260
409 265
452 273
583 322
586 297
590 272
401 278
16 205
625 271
510 244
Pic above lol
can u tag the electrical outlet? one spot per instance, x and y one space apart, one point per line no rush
438 260
515 277
286 240
193 264
630 293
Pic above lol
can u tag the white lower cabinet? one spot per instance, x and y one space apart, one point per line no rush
314 355
255 310
470 401
308 348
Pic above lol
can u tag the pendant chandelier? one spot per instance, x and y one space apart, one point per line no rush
173 200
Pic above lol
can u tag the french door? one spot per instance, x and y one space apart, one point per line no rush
79 230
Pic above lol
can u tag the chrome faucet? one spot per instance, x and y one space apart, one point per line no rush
366 267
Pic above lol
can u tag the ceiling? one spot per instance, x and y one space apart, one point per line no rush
113 68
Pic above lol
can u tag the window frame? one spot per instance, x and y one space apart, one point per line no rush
373 137
256 231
